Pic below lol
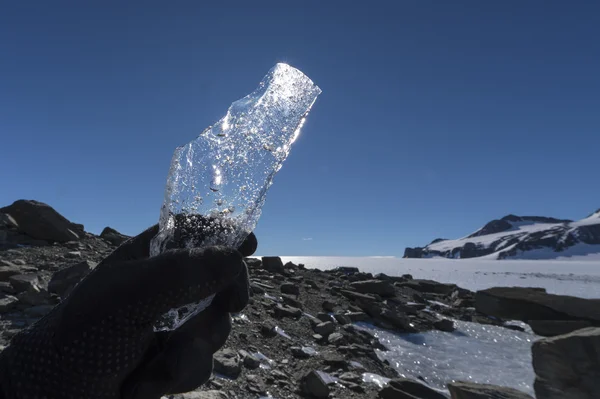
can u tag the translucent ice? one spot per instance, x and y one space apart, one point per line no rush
223 175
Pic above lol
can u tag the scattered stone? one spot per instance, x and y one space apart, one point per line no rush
73 254
8 269
552 328
328 306
6 287
291 301
336 339
268 330
342 318
325 328
568 366
7 303
24 282
287 311
289 288
227 362
470 390
256 384
63 281
444 325
324 317
250 361
379 287
357 316
356 296
314 384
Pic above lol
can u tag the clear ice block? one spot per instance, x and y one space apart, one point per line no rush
224 173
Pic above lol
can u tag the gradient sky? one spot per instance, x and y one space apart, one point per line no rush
435 117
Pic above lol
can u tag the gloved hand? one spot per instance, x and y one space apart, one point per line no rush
100 343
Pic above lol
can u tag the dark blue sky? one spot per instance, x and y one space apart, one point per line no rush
435 117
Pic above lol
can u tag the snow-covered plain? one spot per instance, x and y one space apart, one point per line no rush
474 352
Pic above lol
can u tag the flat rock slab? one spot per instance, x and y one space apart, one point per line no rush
526 304
469 390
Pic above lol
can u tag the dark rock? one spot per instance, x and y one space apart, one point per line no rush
324 317
272 263
526 304
24 282
113 236
346 269
289 288
40 221
6 287
470 390
416 252
551 328
315 384
325 328
342 318
73 254
256 384
227 362
287 311
34 296
403 388
7 303
379 287
63 281
357 316
302 352
444 325
291 301
7 270
328 306
356 296
429 286
253 263
568 366
39 311
335 360
336 339
268 329
250 361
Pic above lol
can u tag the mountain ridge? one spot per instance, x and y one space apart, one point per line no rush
520 237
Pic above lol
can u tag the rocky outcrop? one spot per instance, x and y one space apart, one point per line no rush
38 222
525 304
513 235
404 388
113 236
469 390
568 366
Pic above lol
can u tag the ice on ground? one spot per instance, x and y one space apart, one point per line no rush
474 352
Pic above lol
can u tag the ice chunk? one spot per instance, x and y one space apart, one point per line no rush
224 174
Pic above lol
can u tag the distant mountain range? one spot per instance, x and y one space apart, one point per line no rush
520 237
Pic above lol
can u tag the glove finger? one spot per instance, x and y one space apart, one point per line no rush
137 247
185 362
142 290
234 297
184 365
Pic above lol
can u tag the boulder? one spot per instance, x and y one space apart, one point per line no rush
379 287
568 366
272 263
325 328
444 325
552 328
289 288
315 384
404 388
63 281
228 363
517 303
470 390
40 221
113 236
287 311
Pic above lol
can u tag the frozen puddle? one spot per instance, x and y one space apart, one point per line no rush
474 352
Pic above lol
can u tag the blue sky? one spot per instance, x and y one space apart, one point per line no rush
435 117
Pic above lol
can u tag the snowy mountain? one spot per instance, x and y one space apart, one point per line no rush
521 237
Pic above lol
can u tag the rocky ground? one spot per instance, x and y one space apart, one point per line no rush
300 335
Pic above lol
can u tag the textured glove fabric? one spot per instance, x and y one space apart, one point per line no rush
100 343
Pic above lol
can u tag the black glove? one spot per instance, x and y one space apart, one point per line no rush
100 342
